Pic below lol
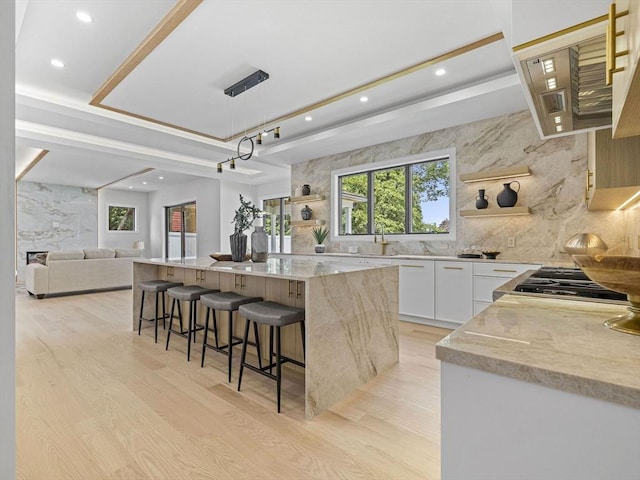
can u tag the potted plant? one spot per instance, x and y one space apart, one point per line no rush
320 234
243 218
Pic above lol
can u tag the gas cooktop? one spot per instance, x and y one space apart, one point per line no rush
566 282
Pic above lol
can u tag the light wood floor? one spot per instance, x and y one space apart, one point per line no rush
96 401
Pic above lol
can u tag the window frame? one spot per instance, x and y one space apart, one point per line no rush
135 219
449 153
283 198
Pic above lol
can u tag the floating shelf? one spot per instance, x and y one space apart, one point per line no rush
496 174
496 212
307 198
307 223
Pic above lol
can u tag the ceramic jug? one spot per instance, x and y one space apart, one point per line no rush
508 197
481 200
306 189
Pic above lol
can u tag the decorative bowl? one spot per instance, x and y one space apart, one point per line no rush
491 255
619 273
585 244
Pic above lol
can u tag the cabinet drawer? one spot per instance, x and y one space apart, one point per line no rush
509 270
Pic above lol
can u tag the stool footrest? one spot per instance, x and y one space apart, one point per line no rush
185 333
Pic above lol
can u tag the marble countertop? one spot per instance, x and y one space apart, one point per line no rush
287 268
557 343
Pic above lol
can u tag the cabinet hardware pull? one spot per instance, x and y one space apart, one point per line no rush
453 268
291 288
242 281
412 266
235 281
298 294
612 34
504 270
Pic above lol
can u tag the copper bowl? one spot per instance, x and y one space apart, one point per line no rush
621 274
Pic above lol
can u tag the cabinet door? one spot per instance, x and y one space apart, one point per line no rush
417 293
626 83
454 291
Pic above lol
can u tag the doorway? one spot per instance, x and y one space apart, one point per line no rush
181 231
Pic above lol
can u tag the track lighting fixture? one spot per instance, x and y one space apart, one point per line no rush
246 156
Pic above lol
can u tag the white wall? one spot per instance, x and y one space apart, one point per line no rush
122 198
7 243
206 194
281 188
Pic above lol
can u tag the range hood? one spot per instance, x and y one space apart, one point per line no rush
564 80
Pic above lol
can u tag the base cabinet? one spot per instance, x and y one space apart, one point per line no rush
454 291
417 288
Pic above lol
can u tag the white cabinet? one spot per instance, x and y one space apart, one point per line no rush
489 276
454 291
417 292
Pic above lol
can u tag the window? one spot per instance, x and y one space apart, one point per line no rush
277 224
406 197
181 231
122 219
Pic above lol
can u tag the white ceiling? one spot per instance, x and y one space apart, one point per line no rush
321 58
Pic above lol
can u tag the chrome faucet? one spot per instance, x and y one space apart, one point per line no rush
383 242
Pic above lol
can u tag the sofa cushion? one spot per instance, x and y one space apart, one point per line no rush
99 253
128 252
65 255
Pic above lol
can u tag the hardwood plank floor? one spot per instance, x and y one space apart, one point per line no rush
97 401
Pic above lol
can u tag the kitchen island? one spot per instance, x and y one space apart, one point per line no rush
351 314
539 388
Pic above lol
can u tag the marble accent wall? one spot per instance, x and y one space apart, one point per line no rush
554 192
55 217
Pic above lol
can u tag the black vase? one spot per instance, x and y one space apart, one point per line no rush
238 242
481 201
306 213
306 189
508 197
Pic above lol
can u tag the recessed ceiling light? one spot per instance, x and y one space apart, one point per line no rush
364 99
130 188
84 17
308 118
57 63
160 178
265 134
440 72
144 183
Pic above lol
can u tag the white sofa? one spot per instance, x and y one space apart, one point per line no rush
81 270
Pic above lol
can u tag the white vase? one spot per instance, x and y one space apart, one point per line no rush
320 248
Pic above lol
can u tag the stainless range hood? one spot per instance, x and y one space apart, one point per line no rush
564 79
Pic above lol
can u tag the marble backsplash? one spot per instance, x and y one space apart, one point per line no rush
55 217
555 192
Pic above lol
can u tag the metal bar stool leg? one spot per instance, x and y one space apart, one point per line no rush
278 366
204 341
141 310
173 305
191 328
230 345
243 356
304 353
256 336
156 320
164 312
271 349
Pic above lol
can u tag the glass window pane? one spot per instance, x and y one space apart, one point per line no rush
353 204
287 226
389 195
122 218
430 197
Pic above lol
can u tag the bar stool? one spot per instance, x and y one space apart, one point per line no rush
191 294
274 315
157 287
228 302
